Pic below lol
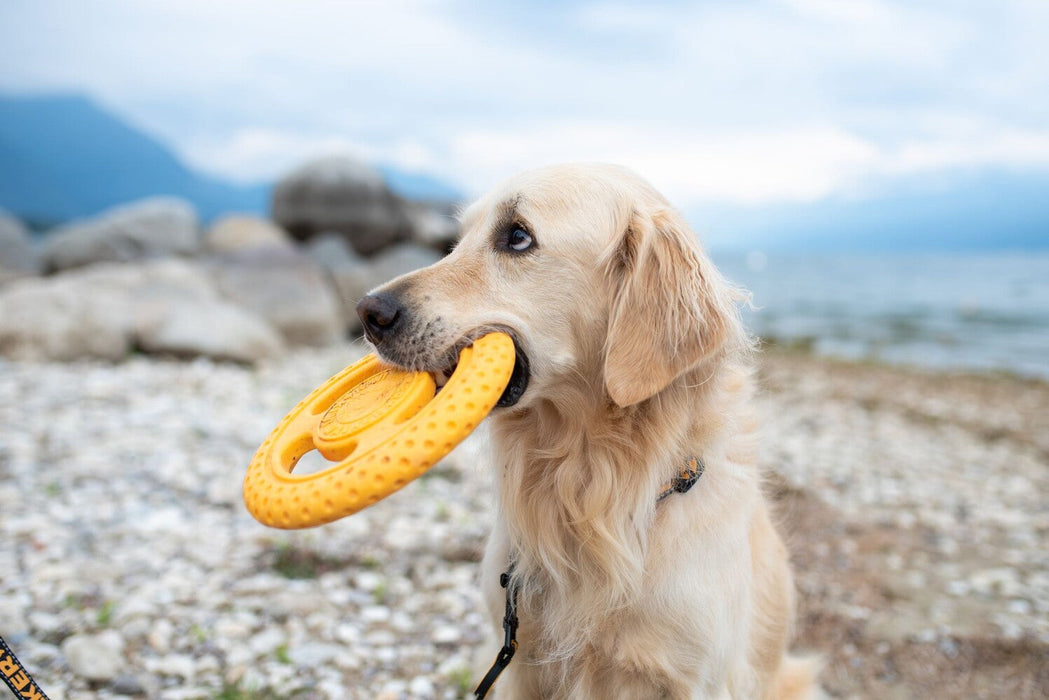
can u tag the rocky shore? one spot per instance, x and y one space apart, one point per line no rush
914 502
150 276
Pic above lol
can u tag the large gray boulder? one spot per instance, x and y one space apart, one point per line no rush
66 318
18 255
330 250
286 288
397 261
150 228
215 328
243 232
179 311
343 195
352 277
434 226
106 311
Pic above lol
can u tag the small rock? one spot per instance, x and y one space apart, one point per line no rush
95 657
446 634
44 624
174 665
160 636
185 693
403 622
13 623
348 660
313 654
267 641
369 580
381 638
127 684
347 633
392 689
1002 581
1019 606
421 687
227 628
386 655
375 613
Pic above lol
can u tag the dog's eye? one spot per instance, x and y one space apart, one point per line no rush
519 240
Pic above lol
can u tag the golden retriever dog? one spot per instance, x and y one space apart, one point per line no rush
632 362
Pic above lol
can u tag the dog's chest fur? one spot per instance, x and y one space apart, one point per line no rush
598 559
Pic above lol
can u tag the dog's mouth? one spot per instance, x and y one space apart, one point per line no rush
515 388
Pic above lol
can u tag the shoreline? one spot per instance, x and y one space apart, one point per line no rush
805 347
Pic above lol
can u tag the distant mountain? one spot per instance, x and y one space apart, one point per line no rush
65 157
977 210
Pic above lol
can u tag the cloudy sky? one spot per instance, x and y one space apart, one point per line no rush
741 102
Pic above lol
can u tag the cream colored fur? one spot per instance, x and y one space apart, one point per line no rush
638 361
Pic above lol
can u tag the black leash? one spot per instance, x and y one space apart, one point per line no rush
16 677
688 477
506 654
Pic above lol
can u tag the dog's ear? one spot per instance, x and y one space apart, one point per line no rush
670 308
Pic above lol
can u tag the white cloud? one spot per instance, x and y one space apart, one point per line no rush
256 154
999 148
847 11
739 166
744 166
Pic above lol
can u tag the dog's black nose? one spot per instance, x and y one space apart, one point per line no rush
380 314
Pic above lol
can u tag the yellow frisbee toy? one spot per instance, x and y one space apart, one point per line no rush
382 427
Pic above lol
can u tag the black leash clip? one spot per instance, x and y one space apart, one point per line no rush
510 617
506 654
687 478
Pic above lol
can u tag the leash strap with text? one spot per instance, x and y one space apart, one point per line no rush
16 677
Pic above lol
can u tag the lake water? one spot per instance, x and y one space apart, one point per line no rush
975 311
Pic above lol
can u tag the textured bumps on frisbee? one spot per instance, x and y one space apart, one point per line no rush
381 428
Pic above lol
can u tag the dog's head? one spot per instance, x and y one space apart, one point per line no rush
589 270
